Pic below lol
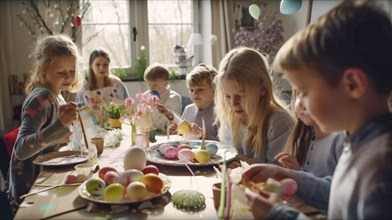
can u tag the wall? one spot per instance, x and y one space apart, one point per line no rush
22 43
17 38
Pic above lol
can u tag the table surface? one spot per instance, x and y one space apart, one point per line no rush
65 203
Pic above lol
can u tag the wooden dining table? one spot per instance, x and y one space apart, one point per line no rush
65 202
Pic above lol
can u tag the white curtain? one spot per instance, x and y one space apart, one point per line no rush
7 65
222 26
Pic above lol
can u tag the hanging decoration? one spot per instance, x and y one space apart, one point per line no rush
288 7
254 11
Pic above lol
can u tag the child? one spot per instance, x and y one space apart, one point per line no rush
102 87
342 69
45 115
157 78
250 117
308 148
201 91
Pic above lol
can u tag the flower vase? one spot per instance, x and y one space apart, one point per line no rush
147 136
133 130
115 123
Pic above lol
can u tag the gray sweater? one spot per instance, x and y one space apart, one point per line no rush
39 131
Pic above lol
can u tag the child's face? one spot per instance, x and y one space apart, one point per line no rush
100 67
302 113
158 85
327 105
60 73
234 97
202 94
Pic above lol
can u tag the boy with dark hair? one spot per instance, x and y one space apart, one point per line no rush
341 66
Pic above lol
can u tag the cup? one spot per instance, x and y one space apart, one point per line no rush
83 169
153 132
141 140
98 141
216 191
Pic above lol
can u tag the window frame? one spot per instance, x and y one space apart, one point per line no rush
140 8
138 18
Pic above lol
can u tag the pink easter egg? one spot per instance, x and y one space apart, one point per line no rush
290 187
183 146
186 155
171 153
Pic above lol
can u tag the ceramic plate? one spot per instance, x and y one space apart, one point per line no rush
99 199
155 156
62 158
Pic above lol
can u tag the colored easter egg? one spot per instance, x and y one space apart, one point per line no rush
184 127
104 170
136 191
171 153
153 182
128 176
150 169
211 148
186 155
163 147
202 156
110 177
114 192
183 146
95 186
289 186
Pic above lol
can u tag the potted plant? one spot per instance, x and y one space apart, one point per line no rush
115 111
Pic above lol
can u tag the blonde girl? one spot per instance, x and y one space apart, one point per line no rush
251 119
45 114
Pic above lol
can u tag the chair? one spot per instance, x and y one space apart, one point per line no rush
186 100
7 142
4 157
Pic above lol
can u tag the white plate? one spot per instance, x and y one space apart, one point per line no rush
61 158
155 156
99 199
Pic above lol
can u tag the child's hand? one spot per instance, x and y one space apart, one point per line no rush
196 130
67 113
261 172
163 110
260 203
288 161
65 140
173 128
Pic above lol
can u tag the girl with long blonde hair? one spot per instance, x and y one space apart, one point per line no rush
251 118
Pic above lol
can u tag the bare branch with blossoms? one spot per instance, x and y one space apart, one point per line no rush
53 17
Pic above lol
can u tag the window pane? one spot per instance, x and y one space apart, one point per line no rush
106 25
173 11
163 38
170 23
114 38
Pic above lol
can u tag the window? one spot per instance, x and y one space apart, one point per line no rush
106 25
169 22
123 26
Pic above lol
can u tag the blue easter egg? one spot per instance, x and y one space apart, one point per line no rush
212 149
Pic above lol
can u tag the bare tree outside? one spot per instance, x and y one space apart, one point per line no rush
169 24
109 19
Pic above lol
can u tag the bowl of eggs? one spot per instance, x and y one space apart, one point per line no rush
179 153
